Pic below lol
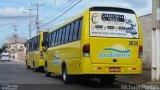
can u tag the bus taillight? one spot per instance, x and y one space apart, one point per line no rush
140 51
86 50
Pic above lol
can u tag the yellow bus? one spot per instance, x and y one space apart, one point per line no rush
99 43
35 52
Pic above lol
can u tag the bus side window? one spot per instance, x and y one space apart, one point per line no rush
54 38
63 35
71 32
57 37
45 36
34 43
50 40
31 44
53 35
61 42
80 29
38 42
67 33
76 30
60 37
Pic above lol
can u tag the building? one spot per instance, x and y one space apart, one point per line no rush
16 47
146 23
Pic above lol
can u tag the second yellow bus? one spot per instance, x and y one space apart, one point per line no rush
35 52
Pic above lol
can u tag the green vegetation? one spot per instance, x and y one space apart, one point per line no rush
3 48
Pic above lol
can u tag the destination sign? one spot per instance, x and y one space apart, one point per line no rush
113 17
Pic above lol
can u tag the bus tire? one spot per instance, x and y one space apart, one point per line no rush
107 80
66 78
28 67
41 69
34 67
47 73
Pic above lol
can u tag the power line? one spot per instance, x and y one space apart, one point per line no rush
73 15
64 18
60 9
30 21
48 28
62 13
31 32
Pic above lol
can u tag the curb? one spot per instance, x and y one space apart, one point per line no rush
18 60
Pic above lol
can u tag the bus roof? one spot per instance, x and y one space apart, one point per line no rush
38 34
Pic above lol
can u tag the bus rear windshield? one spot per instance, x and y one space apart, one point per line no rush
113 22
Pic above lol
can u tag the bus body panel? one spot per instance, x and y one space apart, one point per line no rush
88 68
68 54
106 50
30 57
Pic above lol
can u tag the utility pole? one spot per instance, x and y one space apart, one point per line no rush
30 22
37 18
155 76
15 28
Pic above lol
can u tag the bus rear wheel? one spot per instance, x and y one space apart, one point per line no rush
47 73
34 67
28 67
66 78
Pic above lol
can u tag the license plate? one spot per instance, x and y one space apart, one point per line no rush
114 69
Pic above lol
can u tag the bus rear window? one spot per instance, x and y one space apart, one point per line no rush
113 22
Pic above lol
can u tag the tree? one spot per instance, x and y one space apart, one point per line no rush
3 49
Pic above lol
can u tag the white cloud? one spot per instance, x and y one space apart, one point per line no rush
12 12
141 7
138 3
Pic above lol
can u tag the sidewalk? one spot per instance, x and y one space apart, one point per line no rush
144 78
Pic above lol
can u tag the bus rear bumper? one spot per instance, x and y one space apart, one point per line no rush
113 69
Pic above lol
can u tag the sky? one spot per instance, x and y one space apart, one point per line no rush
13 13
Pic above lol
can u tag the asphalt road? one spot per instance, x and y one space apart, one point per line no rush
14 74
